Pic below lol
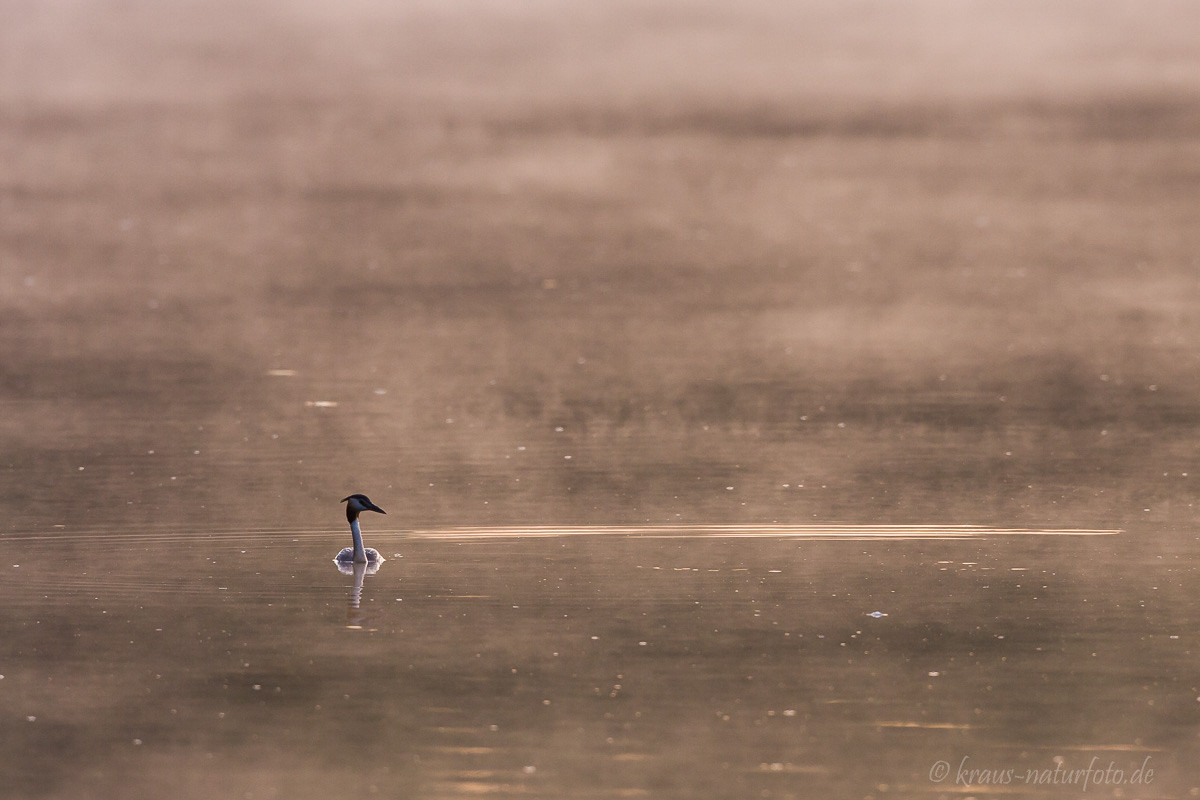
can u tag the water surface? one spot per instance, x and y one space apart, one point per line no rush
617 664
786 400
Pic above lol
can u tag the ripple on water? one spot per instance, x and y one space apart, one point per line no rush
221 566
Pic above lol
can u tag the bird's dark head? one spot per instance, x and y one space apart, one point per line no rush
358 503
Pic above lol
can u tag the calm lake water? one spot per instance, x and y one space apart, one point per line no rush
784 402
661 662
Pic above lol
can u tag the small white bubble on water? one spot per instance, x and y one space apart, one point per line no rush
877 614
31 718
529 769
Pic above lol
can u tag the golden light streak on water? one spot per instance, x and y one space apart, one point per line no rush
815 530
942 726
769 531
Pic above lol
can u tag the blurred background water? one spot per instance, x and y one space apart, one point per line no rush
552 268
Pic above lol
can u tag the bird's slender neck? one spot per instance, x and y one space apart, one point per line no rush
360 554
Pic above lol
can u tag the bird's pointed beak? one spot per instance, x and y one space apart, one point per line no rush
373 507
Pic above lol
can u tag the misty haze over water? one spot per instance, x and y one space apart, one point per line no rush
767 401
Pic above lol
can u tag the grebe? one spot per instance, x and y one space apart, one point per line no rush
355 505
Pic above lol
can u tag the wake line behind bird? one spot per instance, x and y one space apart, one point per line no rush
166 533
847 531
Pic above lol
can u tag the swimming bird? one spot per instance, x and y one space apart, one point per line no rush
355 505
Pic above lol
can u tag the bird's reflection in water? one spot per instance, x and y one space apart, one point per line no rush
355 616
